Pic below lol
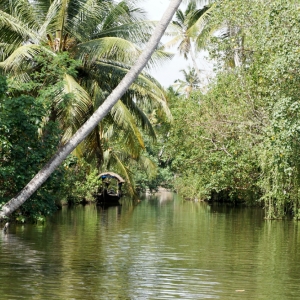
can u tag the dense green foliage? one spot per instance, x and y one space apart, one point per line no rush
68 56
30 135
23 152
241 138
238 141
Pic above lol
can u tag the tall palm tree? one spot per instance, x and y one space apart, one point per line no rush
106 38
99 114
190 29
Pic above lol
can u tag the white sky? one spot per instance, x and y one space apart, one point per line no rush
170 70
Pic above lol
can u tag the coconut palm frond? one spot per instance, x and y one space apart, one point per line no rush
141 118
128 99
40 7
106 156
201 30
112 48
140 91
52 13
124 171
62 16
14 29
173 42
203 38
121 13
149 94
19 78
110 131
97 93
155 93
185 47
190 82
22 10
21 57
145 88
79 150
131 144
73 106
84 22
5 50
92 148
158 58
183 21
179 18
148 165
136 32
137 96
199 19
124 120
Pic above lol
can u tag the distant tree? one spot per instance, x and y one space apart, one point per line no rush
190 83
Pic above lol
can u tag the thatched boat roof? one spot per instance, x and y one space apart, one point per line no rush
112 175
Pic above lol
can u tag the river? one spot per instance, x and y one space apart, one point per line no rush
162 248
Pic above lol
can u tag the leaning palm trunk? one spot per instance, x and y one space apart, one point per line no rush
99 114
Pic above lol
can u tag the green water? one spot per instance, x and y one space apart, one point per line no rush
163 248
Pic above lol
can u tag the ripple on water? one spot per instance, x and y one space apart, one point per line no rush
156 250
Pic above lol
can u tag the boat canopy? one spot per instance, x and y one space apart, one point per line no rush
111 175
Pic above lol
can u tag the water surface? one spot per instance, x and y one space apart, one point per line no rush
162 248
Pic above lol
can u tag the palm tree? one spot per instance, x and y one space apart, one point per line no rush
99 114
191 82
210 23
190 28
106 39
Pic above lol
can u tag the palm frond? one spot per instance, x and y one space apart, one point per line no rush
41 7
73 106
136 32
124 120
179 18
173 42
85 20
108 48
14 29
92 147
141 118
145 90
201 29
52 13
21 57
148 165
22 10
154 95
159 57
123 170
121 13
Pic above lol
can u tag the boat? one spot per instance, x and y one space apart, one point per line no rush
110 191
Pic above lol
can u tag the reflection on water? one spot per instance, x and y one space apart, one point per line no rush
162 248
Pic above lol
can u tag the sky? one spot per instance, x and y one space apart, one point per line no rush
170 70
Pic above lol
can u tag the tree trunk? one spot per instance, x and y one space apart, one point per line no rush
98 115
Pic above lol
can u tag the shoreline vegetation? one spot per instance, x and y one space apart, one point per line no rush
234 140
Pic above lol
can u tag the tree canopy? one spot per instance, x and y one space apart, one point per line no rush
241 136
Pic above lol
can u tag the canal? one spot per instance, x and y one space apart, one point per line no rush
162 248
